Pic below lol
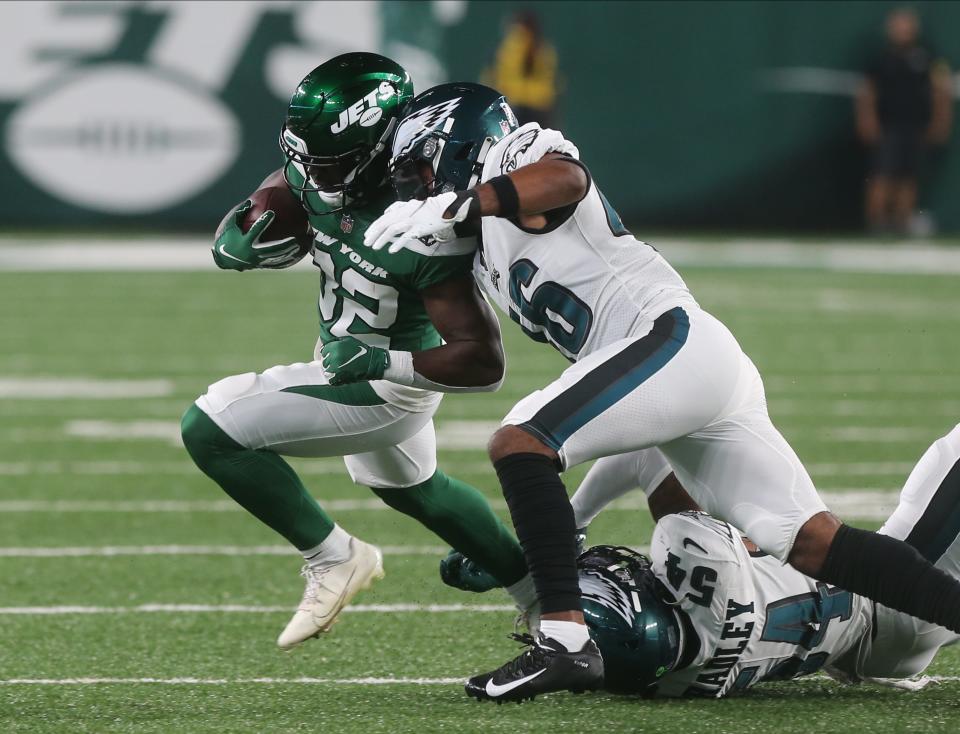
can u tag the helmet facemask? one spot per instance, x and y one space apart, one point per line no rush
337 180
437 163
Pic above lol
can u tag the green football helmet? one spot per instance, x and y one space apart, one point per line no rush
444 136
338 128
630 616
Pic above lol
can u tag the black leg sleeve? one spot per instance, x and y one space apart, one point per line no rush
894 574
543 519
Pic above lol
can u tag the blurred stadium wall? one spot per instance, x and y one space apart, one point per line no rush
733 115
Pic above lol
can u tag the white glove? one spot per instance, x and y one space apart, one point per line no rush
406 221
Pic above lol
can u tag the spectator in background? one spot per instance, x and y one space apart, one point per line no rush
903 106
525 71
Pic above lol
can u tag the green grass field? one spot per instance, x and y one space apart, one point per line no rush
101 511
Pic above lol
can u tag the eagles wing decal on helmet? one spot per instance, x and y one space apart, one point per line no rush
601 590
413 128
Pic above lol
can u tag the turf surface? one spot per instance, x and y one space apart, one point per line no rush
861 372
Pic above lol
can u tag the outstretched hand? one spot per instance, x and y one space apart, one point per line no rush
407 221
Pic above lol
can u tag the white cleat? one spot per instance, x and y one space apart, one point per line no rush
329 590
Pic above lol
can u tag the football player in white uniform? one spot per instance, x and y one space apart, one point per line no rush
650 368
709 614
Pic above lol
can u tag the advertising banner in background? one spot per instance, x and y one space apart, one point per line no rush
160 115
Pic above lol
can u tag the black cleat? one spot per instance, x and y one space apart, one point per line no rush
546 666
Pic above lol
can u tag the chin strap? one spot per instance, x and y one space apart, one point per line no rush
377 149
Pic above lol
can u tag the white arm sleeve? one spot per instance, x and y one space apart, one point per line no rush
401 371
613 476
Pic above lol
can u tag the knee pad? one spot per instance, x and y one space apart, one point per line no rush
223 392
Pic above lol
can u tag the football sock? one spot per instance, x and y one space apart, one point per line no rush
461 516
523 593
260 481
571 635
894 574
543 518
334 549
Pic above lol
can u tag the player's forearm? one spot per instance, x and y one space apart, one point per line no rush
461 366
540 187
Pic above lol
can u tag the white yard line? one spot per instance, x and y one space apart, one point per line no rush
872 434
898 469
109 551
306 467
248 609
451 435
156 254
232 681
113 551
80 388
309 467
851 503
819 385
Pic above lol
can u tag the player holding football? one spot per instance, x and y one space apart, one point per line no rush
710 615
650 369
336 141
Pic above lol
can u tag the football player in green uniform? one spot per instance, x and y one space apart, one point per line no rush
376 309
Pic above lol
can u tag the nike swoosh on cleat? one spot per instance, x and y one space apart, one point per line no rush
363 350
495 691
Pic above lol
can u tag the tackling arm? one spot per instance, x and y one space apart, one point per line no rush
553 182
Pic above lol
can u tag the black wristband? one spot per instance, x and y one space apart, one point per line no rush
473 211
507 196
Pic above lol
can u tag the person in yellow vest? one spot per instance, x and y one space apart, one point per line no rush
525 71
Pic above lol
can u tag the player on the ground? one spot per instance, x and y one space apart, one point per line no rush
713 615
651 368
710 615
336 141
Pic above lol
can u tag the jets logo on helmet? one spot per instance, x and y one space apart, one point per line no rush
364 111
422 122
337 130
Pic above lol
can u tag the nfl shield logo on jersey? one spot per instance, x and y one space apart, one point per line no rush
346 223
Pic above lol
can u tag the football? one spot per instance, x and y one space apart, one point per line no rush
290 220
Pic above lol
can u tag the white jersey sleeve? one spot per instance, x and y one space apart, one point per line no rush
583 281
526 145
755 619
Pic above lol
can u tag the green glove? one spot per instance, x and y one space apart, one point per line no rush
460 572
235 249
350 360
